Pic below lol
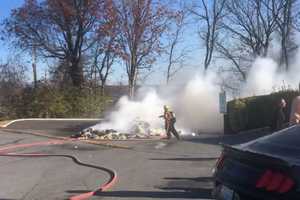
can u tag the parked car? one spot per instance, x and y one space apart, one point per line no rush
267 168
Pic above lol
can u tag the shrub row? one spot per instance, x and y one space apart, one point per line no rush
255 112
46 101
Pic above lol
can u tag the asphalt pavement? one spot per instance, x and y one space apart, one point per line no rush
148 170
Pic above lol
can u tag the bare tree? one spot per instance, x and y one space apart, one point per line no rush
174 37
252 24
285 21
102 64
234 56
12 75
34 70
57 29
142 23
12 82
106 49
211 14
248 30
12 79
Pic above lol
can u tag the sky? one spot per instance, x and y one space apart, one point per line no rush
190 41
5 9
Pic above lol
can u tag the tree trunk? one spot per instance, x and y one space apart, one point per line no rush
34 68
76 73
133 73
102 89
284 55
131 90
34 75
168 73
132 84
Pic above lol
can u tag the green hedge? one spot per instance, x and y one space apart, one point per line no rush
255 112
47 101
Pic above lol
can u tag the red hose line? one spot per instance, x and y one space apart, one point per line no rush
84 196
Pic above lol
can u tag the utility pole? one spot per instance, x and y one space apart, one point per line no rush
34 67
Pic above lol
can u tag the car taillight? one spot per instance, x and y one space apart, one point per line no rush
286 185
275 182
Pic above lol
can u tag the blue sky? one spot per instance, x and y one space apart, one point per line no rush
5 8
7 5
190 40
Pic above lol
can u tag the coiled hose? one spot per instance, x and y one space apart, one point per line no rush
113 175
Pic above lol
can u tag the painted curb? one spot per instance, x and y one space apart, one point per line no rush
49 119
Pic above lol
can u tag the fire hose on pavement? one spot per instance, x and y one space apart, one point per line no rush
113 175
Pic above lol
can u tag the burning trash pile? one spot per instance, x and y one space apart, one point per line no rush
139 130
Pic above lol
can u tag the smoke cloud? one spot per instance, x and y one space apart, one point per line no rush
196 103
148 109
267 76
262 77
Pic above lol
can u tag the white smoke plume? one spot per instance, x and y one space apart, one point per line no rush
267 76
261 78
196 103
147 109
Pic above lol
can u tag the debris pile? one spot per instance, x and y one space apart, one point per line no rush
139 130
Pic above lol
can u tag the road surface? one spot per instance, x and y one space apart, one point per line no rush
170 170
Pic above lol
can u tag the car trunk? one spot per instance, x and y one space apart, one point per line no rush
284 145
241 169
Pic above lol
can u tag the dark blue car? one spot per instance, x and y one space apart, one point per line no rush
267 168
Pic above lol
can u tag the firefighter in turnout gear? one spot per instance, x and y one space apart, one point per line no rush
170 121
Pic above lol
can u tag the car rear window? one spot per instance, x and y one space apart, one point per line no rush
287 139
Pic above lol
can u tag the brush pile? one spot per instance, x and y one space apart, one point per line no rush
139 130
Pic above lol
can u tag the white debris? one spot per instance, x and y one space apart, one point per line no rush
139 130
160 145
